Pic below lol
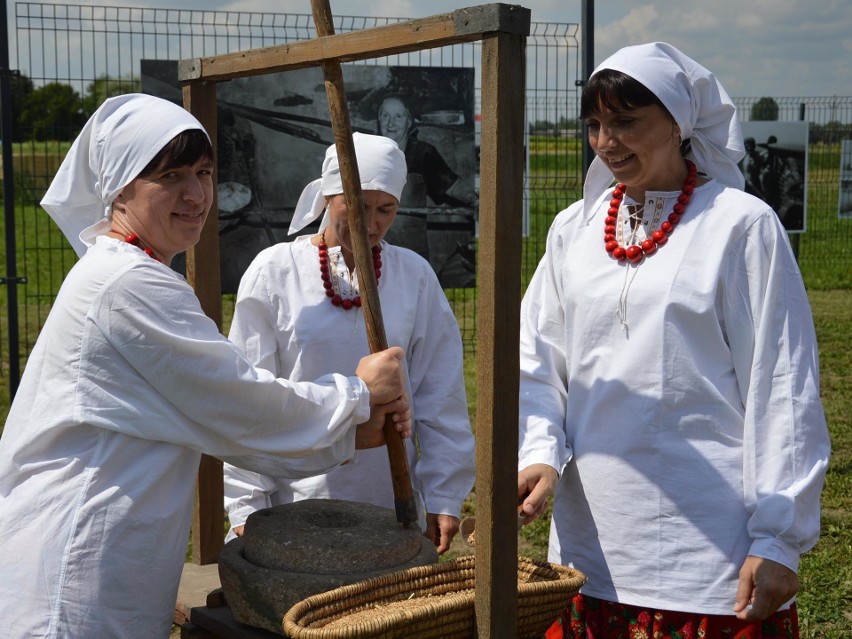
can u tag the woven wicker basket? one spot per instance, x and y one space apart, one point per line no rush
429 601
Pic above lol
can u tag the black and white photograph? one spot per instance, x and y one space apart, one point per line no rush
844 197
274 129
775 168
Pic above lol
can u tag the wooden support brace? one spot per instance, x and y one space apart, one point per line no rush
462 25
202 273
497 329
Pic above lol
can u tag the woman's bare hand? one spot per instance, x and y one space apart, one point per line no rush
370 434
535 484
384 375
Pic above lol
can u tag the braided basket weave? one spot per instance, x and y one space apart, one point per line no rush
429 601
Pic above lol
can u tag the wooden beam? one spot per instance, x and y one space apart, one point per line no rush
202 273
462 25
498 326
202 260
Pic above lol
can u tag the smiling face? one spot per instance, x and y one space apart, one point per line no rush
395 121
641 146
166 206
379 210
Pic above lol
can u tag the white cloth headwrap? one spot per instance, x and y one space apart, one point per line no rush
381 167
117 142
695 99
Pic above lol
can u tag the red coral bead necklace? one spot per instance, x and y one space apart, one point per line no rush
132 238
325 272
635 253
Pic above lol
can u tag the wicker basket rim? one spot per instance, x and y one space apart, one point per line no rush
361 595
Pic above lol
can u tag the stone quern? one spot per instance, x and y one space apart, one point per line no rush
292 551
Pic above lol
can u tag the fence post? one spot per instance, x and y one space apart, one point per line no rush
587 24
11 280
202 273
794 237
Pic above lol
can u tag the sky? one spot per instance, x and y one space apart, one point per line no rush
783 48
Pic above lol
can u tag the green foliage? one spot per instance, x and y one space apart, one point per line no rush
563 126
107 87
825 594
830 133
764 109
54 112
20 89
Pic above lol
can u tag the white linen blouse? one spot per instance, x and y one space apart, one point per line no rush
287 325
128 383
693 437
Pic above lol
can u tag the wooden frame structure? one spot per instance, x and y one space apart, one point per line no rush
503 30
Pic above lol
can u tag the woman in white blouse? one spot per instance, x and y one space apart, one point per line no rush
129 382
298 315
669 374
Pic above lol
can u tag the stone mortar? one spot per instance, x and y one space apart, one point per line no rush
292 551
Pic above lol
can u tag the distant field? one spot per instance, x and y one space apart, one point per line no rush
825 602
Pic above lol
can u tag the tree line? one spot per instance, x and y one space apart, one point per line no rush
765 109
55 111
832 132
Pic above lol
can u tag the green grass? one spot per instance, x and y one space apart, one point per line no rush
825 598
825 595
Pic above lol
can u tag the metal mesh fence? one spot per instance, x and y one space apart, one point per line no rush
824 249
96 52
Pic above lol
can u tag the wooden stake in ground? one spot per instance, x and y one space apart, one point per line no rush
406 509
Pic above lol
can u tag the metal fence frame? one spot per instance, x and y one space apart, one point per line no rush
77 44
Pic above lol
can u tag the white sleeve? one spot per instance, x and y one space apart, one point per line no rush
785 440
230 409
254 325
544 365
245 493
445 470
253 330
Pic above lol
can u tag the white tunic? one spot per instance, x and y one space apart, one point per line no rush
287 325
695 437
129 382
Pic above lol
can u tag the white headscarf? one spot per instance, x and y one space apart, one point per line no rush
117 142
381 167
697 102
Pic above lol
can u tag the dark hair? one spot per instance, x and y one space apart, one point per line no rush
185 149
616 91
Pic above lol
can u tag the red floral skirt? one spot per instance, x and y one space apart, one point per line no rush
590 618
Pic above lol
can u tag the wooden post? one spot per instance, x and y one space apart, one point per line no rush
202 273
498 326
404 503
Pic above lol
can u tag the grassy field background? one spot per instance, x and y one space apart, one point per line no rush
825 574
825 599
825 596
